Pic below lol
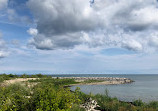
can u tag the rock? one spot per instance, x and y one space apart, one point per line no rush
90 105
111 80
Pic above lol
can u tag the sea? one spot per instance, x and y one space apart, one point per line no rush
145 87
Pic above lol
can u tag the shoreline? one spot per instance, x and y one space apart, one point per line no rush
97 80
29 93
81 80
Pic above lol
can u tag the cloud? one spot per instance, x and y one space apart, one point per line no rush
10 13
14 17
45 44
132 45
3 4
3 48
3 54
62 26
33 31
69 23
153 40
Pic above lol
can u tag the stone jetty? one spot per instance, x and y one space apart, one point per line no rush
101 80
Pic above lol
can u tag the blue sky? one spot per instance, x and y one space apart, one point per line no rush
75 36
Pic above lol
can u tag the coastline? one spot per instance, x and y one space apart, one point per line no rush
41 87
97 80
80 80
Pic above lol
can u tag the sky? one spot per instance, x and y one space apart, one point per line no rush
79 36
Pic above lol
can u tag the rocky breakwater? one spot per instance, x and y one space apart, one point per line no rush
99 80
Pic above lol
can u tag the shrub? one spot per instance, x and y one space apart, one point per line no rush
153 104
46 97
7 77
14 97
138 103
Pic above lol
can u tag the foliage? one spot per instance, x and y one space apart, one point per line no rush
47 98
7 77
82 96
56 82
4 77
108 103
14 97
153 104
138 103
33 76
76 107
48 95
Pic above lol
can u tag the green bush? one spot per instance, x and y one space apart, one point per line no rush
138 103
7 77
47 98
107 103
153 104
14 97
82 96
43 97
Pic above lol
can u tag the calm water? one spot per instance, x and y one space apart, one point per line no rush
145 87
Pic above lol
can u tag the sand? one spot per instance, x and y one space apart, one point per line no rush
17 80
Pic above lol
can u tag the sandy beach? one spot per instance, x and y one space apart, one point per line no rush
16 80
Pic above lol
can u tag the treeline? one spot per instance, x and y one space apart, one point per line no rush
13 76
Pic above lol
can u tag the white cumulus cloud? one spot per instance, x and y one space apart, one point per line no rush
132 45
33 31
115 23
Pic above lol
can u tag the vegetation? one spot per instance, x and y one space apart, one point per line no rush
7 77
56 82
107 103
47 97
4 77
34 76
47 94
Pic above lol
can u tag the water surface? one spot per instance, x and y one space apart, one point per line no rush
145 87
